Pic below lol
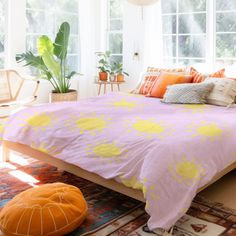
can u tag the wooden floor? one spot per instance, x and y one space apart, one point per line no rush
223 191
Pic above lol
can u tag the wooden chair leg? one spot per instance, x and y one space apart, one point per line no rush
5 154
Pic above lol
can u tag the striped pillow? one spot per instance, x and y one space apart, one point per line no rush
147 81
153 69
199 77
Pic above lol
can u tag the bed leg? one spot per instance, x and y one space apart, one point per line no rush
5 154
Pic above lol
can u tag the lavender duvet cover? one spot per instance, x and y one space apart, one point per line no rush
166 151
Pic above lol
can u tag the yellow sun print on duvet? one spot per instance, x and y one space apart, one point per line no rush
149 128
40 121
92 123
134 183
42 147
208 131
1 130
186 170
194 108
123 103
106 151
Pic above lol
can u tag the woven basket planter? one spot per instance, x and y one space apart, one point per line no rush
63 97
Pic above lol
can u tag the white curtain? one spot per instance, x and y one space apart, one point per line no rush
153 43
90 24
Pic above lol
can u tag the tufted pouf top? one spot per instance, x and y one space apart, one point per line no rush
51 209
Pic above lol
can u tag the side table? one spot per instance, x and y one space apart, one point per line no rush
107 83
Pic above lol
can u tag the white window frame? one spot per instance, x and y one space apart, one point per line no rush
110 32
177 34
210 58
15 40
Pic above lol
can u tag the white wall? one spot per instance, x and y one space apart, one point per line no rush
133 37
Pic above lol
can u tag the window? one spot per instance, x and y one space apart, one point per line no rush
3 10
115 26
226 31
45 17
184 31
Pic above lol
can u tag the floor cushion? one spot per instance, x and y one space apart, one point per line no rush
51 209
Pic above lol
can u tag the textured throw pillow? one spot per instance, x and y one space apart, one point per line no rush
187 93
223 93
146 83
199 77
153 69
165 79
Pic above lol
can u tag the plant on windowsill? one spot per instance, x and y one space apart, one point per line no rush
103 65
51 62
120 77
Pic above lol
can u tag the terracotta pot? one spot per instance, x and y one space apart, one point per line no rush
120 78
72 95
103 76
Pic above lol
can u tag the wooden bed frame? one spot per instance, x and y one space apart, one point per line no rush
108 183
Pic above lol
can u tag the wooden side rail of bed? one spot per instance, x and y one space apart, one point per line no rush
108 183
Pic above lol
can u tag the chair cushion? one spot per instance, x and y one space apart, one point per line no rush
165 79
187 93
51 209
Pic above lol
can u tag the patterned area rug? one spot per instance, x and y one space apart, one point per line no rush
111 213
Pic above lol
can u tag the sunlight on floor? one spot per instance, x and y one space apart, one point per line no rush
24 177
20 160
7 165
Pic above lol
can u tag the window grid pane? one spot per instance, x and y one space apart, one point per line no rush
115 28
3 10
225 32
52 13
184 31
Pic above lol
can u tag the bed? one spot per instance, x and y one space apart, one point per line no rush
157 153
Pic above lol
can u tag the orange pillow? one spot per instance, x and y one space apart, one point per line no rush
199 77
159 88
147 84
51 209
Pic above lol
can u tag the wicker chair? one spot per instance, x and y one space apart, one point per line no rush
12 94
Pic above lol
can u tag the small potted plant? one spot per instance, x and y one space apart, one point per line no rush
112 72
51 62
120 77
103 65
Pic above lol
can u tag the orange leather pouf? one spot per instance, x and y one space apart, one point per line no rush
51 209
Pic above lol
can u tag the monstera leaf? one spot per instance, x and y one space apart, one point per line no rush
51 59
45 50
61 41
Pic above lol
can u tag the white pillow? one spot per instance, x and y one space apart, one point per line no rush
223 93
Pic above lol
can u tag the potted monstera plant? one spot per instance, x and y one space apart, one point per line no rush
51 62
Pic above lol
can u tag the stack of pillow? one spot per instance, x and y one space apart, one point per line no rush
187 86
